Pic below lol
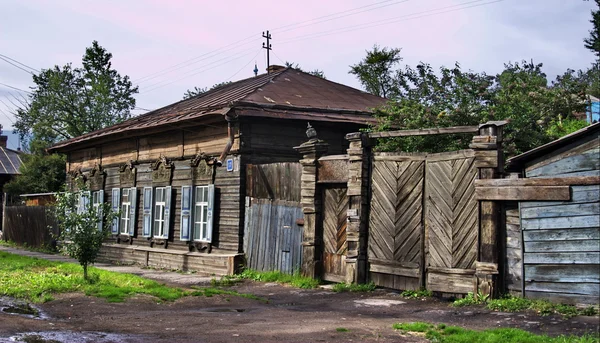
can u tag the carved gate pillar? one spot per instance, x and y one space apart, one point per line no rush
311 203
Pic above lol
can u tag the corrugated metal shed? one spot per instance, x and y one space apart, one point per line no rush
10 161
286 93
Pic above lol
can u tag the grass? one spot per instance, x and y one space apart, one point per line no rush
341 330
515 304
453 334
295 279
422 293
44 249
36 280
344 287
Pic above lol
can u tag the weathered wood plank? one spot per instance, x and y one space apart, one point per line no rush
562 235
522 193
563 273
553 181
563 298
579 195
580 288
561 211
561 258
576 163
563 246
449 283
423 132
561 223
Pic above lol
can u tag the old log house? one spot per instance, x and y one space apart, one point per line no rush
178 174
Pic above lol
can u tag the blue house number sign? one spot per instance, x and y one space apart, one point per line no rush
229 164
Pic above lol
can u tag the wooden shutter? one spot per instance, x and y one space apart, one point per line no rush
147 230
132 210
100 203
115 202
167 212
209 212
186 213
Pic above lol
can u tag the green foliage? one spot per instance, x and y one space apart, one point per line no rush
210 291
509 304
44 249
375 71
453 334
37 280
471 299
295 279
82 229
559 127
352 287
422 293
40 172
225 281
316 72
341 330
593 41
190 93
67 102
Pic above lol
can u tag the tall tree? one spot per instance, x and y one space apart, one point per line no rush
316 72
67 102
593 41
376 71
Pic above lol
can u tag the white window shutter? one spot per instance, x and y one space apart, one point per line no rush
100 203
115 203
167 212
132 210
79 208
186 213
147 230
209 215
86 200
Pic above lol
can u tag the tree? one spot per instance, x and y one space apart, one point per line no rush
67 102
316 72
593 41
82 227
375 72
197 91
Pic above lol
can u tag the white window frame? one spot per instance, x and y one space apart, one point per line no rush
203 234
158 224
125 217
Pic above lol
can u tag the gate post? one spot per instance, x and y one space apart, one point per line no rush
358 215
311 203
489 160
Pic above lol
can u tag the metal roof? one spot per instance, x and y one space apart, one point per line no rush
10 161
514 163
286 91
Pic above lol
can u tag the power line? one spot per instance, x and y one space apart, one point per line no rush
16 66
392 20
245 65
199 72
15 88
21 63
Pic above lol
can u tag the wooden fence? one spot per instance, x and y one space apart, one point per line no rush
30 225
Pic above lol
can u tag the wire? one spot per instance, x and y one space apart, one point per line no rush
16 66
274 54
23 64
199 72
245 65
392 20
7 117
15 88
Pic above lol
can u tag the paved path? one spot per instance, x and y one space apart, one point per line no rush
178 279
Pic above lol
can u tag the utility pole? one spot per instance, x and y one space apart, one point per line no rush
267 46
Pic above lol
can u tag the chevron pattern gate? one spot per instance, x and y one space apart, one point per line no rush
423 224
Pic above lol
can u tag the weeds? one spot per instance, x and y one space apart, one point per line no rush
344 287
225 281
295 279
341 330
453 334
422 293
470 299
210 291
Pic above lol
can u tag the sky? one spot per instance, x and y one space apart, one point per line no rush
169 46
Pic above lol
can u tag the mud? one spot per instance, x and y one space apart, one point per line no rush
290 315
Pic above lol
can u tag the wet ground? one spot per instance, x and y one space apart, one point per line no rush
290 315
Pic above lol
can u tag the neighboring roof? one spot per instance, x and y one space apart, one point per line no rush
516 162
10 161
286 91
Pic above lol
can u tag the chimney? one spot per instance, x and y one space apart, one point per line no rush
3 140
273 68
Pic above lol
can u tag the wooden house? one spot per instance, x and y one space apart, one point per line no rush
552 240
178 174
10 162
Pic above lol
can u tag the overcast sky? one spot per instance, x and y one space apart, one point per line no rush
147 37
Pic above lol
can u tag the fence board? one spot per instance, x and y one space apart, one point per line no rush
29 225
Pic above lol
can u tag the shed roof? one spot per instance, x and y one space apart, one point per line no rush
518 161
10 161
284 93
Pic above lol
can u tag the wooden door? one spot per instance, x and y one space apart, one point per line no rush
335 208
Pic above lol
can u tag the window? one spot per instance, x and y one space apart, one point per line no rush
96 197
97 200
196 213
159 212
125 211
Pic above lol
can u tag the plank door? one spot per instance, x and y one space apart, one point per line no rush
452 223
335 208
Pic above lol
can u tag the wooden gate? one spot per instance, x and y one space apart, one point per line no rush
272 236
335 221
423 221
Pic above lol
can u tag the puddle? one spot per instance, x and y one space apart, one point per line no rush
378 302
20 308
285 304
71 337
235 310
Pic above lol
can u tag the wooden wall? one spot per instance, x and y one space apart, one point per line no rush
562 239
513 255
